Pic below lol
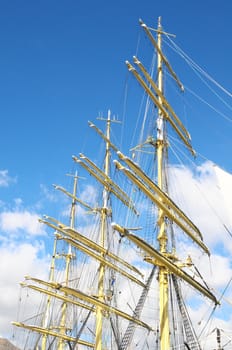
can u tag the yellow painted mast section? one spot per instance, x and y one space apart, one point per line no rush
68 257
162 236
104 213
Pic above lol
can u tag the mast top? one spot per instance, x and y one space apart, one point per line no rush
159 29
108 119
159 23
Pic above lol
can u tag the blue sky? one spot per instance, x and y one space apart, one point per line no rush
62 64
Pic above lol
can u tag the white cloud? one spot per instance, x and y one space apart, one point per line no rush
89 194
5 179
18 202
225 186
18 257
203 198
13 221
15 262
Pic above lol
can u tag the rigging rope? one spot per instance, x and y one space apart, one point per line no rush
209 319
209 105
197 67
225 289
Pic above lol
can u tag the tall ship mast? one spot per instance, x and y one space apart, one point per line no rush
117 289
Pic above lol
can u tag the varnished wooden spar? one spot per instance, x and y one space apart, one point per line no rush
78 237
103 136
159 104
88 299
163 206
162 200
160 259
161 96
47 332
105 180
158 49
102 259
78 200
54 294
